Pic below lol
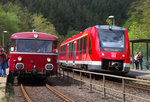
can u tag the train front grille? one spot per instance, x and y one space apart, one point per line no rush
20 66
49 67
114 65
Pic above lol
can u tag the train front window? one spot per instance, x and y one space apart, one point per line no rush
43 46
26 45
112 40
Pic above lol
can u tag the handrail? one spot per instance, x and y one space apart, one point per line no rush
103 85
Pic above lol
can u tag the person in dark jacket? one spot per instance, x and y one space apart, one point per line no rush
136 60
2 63
140 58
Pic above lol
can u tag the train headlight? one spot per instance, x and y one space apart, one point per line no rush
48 60
103 54
123 55
19 58
36 36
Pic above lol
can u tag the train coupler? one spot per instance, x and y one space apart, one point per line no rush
42 71
26 70
18 74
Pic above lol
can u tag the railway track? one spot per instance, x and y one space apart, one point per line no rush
56 92
25 93
133 88
63 97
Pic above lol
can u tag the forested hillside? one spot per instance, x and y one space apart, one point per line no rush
65 18
138 23
14 18
68 15
139 20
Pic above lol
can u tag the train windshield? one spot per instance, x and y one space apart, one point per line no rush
112 40
26 45
32 45
43 46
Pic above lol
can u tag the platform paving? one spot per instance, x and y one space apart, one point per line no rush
3 86
139 74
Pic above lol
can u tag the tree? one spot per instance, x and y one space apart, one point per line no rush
138 23
41 24
79 14
9 21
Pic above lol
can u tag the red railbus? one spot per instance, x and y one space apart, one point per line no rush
98 48
33 53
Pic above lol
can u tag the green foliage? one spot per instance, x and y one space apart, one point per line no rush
10 22
22 13
138 23
14 18
41 24
78 14
108 21
71 33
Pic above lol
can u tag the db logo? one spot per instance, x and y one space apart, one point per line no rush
113 54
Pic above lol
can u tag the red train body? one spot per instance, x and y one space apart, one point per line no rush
98 48
33 53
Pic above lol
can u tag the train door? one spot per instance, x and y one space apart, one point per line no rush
74 52
67 53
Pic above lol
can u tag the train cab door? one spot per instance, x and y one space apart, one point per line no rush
74 52
67 53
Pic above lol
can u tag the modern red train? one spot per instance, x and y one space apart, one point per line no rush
33 53
98 48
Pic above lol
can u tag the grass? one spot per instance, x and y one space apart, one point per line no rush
7 96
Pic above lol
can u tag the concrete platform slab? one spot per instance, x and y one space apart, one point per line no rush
3 86
139 74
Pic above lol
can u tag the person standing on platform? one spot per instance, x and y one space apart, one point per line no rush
136 60
6 62
140 58
2 63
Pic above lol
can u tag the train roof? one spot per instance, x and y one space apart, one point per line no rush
30 35
108 27
86 30
80 35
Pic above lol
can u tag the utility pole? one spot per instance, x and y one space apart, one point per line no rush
3 39
113 19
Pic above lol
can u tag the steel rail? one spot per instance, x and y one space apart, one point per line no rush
25 94
104 87
66 99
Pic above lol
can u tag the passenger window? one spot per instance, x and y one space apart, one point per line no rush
63 51
81 45
78 47
72 50
90 46
84 45
69 49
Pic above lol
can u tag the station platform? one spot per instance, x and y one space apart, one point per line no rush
139 74
3 86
